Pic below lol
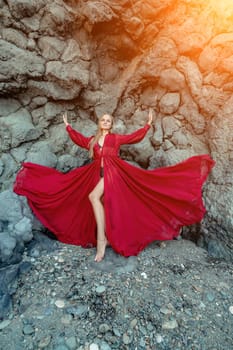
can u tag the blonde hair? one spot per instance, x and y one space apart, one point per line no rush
96 137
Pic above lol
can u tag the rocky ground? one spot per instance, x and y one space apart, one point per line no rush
172 296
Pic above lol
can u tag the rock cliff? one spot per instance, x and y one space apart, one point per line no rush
90 57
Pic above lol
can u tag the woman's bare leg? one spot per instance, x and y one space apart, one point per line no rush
98 208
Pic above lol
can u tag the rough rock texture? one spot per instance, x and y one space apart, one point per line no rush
169 297
90 57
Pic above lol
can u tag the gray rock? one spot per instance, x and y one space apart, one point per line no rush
64 72
115 263
41 153
170 126
79 310
7 245
4 324
5 305
15 37
217 249
51 47
172 324
126 339
20 127
72 52
169 103
8 164
8 106
44 342
66 163
38 101
98 12
172 79
104 328
23 229
24 8
59 18
17 65
10 207
71 342
54 90
15 227
105 346
42 243
28 329
100 290
8 277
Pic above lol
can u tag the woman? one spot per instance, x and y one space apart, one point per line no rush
95 146
112 202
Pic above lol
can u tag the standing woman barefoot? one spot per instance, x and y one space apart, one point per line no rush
96 196
109 201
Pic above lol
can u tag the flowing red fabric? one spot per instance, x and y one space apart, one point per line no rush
141 206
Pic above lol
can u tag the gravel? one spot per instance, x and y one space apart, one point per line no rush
172 296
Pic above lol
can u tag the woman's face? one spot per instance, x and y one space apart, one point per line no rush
105 122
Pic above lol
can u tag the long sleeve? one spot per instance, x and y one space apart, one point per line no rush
78 138
134 137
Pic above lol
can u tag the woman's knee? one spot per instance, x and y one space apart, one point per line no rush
93 197
96 194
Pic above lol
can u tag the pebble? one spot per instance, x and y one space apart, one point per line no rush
162 245
116 332
133 323
93 346
28 329
4 324
66 319
170 324
104 328
48 311
164 310
126 339
100 290
210 296
159 338
105 346
231 309
71 342
43 343
144 275
202 305
59 303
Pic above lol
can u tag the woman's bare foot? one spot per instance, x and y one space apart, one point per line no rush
101 246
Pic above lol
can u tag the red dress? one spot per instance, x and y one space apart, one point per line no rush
140 205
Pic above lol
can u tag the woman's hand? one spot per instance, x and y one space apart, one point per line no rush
150 116
65 119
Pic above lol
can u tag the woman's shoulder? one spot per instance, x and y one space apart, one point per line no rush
112 135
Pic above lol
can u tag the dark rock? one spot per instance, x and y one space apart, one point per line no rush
8 279
218 250
42 243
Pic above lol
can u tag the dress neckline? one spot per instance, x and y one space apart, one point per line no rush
103 142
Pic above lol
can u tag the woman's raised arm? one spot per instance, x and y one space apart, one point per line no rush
137 135
76 136
65 119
